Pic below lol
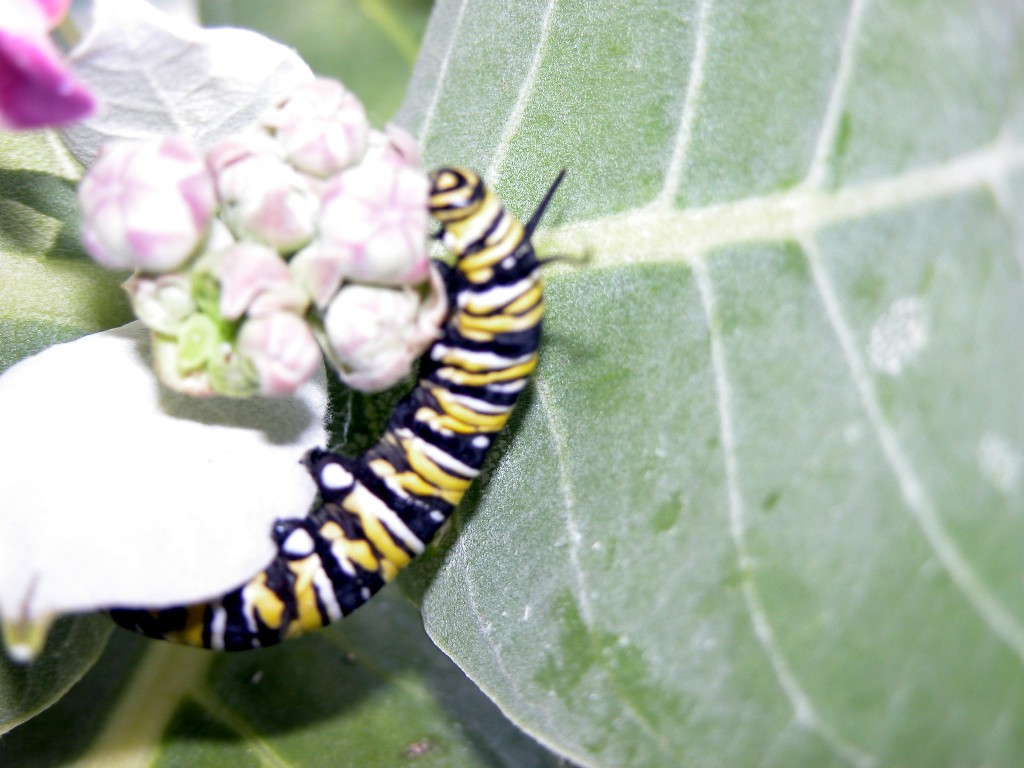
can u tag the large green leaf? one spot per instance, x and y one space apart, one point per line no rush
371 691
764 505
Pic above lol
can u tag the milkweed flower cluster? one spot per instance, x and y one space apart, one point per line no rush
301 238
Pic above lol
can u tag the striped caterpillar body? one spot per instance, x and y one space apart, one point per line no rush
378 511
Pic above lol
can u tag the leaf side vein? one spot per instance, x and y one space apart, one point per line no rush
915 496
803 708
478 619
830 123
681 141
230 719
442 73
515 119
575 538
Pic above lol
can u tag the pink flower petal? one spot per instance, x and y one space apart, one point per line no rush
36 88
52 10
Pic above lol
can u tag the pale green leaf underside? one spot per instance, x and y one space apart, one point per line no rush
373 692
764 506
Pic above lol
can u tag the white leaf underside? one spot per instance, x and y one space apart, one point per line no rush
155 75
129 494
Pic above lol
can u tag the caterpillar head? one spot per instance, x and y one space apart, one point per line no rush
455 195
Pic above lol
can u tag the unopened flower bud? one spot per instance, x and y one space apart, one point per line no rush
396 145
253 280
146 205
192 382
262 197
373 223
318 273
201 362
162 302
375 334
282 349
199 342
322 128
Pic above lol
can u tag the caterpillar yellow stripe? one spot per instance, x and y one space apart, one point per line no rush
379 510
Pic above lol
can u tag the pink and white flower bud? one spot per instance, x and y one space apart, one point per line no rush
162 302
282 349
375 334
322 128
373 223
318 273
262 197
253 279
146 205
395 145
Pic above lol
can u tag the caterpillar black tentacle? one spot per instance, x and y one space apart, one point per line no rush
378 511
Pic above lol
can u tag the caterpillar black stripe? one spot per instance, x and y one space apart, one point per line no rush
379 510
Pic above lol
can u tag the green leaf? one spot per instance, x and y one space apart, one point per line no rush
370 45
72 646
371 691
50 291
764 503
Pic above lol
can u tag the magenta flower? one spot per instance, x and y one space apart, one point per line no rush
37 89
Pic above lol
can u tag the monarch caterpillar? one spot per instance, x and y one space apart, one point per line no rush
379 510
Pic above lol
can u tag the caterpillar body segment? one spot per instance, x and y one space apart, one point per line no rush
378 511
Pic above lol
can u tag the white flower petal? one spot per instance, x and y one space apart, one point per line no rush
116 491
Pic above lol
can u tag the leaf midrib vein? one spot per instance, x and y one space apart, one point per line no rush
654 234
